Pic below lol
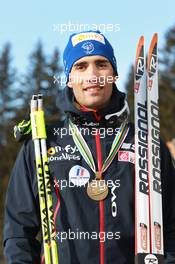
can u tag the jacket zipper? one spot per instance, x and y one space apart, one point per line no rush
101 203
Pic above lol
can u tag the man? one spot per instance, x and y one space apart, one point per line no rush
92 226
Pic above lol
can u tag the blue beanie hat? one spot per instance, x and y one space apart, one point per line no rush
87 43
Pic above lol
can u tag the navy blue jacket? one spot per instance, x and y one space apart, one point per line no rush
74 211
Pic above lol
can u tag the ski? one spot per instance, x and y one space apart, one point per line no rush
155 188
148 203
141 151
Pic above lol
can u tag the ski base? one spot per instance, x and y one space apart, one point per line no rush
145 258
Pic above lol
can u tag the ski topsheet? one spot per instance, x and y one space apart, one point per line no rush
148 191
141 153
154 150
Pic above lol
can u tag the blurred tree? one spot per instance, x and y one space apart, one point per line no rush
168 59
8 97
129 86
54 87
7 93
40 79
7 112
167 86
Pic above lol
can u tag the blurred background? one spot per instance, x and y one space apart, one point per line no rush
33 35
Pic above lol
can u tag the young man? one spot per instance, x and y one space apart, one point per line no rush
92 226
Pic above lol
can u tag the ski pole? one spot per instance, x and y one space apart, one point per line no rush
43 178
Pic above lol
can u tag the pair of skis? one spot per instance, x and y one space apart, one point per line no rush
148 189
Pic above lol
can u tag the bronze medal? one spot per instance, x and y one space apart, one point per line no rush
97 189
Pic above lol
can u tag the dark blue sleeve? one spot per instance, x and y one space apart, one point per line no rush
168 196
22 221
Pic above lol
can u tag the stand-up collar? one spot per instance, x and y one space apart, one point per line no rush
67 104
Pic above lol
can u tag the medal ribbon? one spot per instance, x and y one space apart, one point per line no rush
85 151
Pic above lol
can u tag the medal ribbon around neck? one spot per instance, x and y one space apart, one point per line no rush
86 153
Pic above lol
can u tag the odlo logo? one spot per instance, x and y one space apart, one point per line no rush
151 259
114 208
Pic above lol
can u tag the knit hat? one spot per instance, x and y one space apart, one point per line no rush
87 43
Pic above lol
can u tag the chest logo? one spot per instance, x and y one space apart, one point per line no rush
78 175
126 156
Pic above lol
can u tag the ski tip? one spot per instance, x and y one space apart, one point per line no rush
155 36
139 47
152 48
141 38
140 44
154 40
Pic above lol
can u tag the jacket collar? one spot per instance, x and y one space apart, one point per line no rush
91 118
